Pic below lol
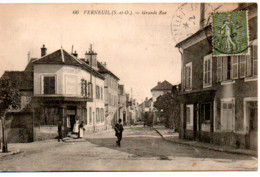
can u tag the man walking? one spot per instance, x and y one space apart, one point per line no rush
119 131
60 131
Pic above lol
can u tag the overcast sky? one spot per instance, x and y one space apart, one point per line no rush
138 48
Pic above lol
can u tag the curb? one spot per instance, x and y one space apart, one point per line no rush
209 148
10 153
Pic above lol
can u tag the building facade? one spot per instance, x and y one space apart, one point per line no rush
219 94
67 89
111 95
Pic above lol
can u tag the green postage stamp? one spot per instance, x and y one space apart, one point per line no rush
230 33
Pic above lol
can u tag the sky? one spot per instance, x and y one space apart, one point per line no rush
138 48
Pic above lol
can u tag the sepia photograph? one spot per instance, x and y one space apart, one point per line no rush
128 87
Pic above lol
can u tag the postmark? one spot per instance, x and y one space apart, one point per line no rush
230 33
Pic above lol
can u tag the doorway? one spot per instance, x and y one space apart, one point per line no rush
71 118
251 109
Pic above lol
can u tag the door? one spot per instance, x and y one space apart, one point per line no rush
124 118
72 122
253 123
189 117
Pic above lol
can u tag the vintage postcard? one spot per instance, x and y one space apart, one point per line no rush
108 87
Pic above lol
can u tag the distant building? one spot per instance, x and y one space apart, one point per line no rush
122 104
160 89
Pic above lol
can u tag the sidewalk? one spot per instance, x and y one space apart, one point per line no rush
170 136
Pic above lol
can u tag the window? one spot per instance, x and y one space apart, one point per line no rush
101 93
242 60
84 86
51 116
207 70
90 90
97 92
97 115
188 76
219 69
205 112
227 115
49 85
251 70
90 115
102 115
226 68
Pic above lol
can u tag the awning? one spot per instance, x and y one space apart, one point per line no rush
198 96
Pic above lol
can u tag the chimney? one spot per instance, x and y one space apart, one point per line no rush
43 50
91 56
105 64
75 54
29 57
202 15
158 83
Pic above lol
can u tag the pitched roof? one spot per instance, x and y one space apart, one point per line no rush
24 78
165 85
103 69
62 57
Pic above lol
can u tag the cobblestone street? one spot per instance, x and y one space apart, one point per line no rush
141 149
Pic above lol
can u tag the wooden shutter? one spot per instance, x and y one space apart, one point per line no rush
249 59
224 68
190 76
234 69
209 71
205 71
242 66
219 69
255 60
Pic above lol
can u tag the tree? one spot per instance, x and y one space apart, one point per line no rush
168 106
10 99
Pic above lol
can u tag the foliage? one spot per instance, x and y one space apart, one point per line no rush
168 106
10 97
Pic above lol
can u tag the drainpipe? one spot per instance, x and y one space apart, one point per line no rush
182 132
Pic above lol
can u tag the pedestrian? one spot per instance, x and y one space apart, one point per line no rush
119 131
60 131
81 130
76 127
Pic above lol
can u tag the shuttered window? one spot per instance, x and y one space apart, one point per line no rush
207 70
188 76
219 69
